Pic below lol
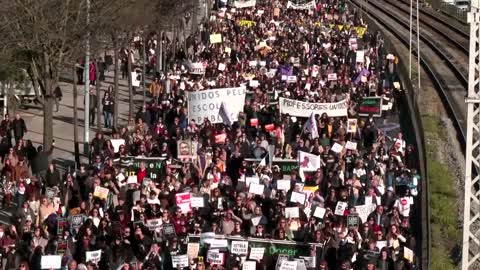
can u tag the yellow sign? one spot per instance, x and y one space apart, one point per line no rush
247 23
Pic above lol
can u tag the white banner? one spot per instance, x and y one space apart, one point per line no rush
308 5
304 109
206 104
244 4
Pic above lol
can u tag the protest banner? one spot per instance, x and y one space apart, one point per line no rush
153 224
340 208
192 250
308 5
101 192
353 221
116 144
370 106
180 261
304 109
307 161
215 38
93 256
197 202
257 253
154 166
249 265
187 149
197 68
182 200
51 262
218 243
239 247
244 4
206 104
365 210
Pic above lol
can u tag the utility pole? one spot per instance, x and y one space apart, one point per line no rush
471 218
87 84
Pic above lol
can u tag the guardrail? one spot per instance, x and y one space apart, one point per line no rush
450 10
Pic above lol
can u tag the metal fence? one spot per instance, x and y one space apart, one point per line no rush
450 10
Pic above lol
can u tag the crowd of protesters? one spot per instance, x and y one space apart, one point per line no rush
62 213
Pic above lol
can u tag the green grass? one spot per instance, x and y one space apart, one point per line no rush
443 199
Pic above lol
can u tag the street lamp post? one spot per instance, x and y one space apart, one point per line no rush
87 83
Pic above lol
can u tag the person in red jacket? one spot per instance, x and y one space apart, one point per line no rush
142 173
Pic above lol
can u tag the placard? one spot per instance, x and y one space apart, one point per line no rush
364 211
310 262
370 106
304 109
221 66
249 265
244 4
332 76
281 258
215 38
239 247
256 189
340 208
351 145
297 197
408 254
192 250
50 192
206 104
180 261
153 224
288 265
256 253
353 221
197 68
352 126
307 161
283 185
319 212
360 56
292 212
337 148
116 143
61 222
93 256
168 230
187 149
76 221
197 202
215 257
51 262
101 192
182 200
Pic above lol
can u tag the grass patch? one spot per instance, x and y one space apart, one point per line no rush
443 199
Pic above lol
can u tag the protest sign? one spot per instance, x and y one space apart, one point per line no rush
239 247
215 38
153 224
310 261
180 261
244 4
50 192
247 23
288 265
300 264
319 212
256 188
192 250
116 144
307 5
136 77
220 138
197 202
253 179
337 148
215 257
291 79
304 109
292 212
168 230
297 197
51 262
206 103
370 106
101 192
365 210
256 220
249 265
381 244
351 145
307 161
62 246
352 125
353 221
408 254
283 185
221 66
61 222
93 256
360 56
332 76
153 165
257 253
281 258
187 149
340 208
76 221
182 200
197 68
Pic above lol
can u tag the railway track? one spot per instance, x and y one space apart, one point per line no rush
441 57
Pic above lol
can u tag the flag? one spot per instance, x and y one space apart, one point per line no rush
311 126
265 160
225 114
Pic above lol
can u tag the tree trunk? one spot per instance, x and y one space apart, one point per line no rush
115 85
11 100
75 118
130 86
97 87
48 120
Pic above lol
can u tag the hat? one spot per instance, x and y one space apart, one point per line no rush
390 188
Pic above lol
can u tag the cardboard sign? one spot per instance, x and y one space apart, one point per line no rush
319 212
256 188
292 212
93 256
353 221
168 230
351 145
182 200
101 192
192 250
249 265
153 224
51 262
288 265
283 185
215 38
297 197
340 208
180 261
257 253
239 247
337 148
197 202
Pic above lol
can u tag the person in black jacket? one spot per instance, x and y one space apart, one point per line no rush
107 103
19 128
53 176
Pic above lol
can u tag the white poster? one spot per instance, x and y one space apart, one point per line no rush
93 256
51 262
244 4
180 261
307 161
206 104
340 209
292 212
257 253
249 265
365 210
360 56
283 185
116 144
197 68
239 247
304 109
256 189
319 212
308 5
197 202
288 265
297 197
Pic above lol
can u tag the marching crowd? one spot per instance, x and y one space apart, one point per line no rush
351 205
